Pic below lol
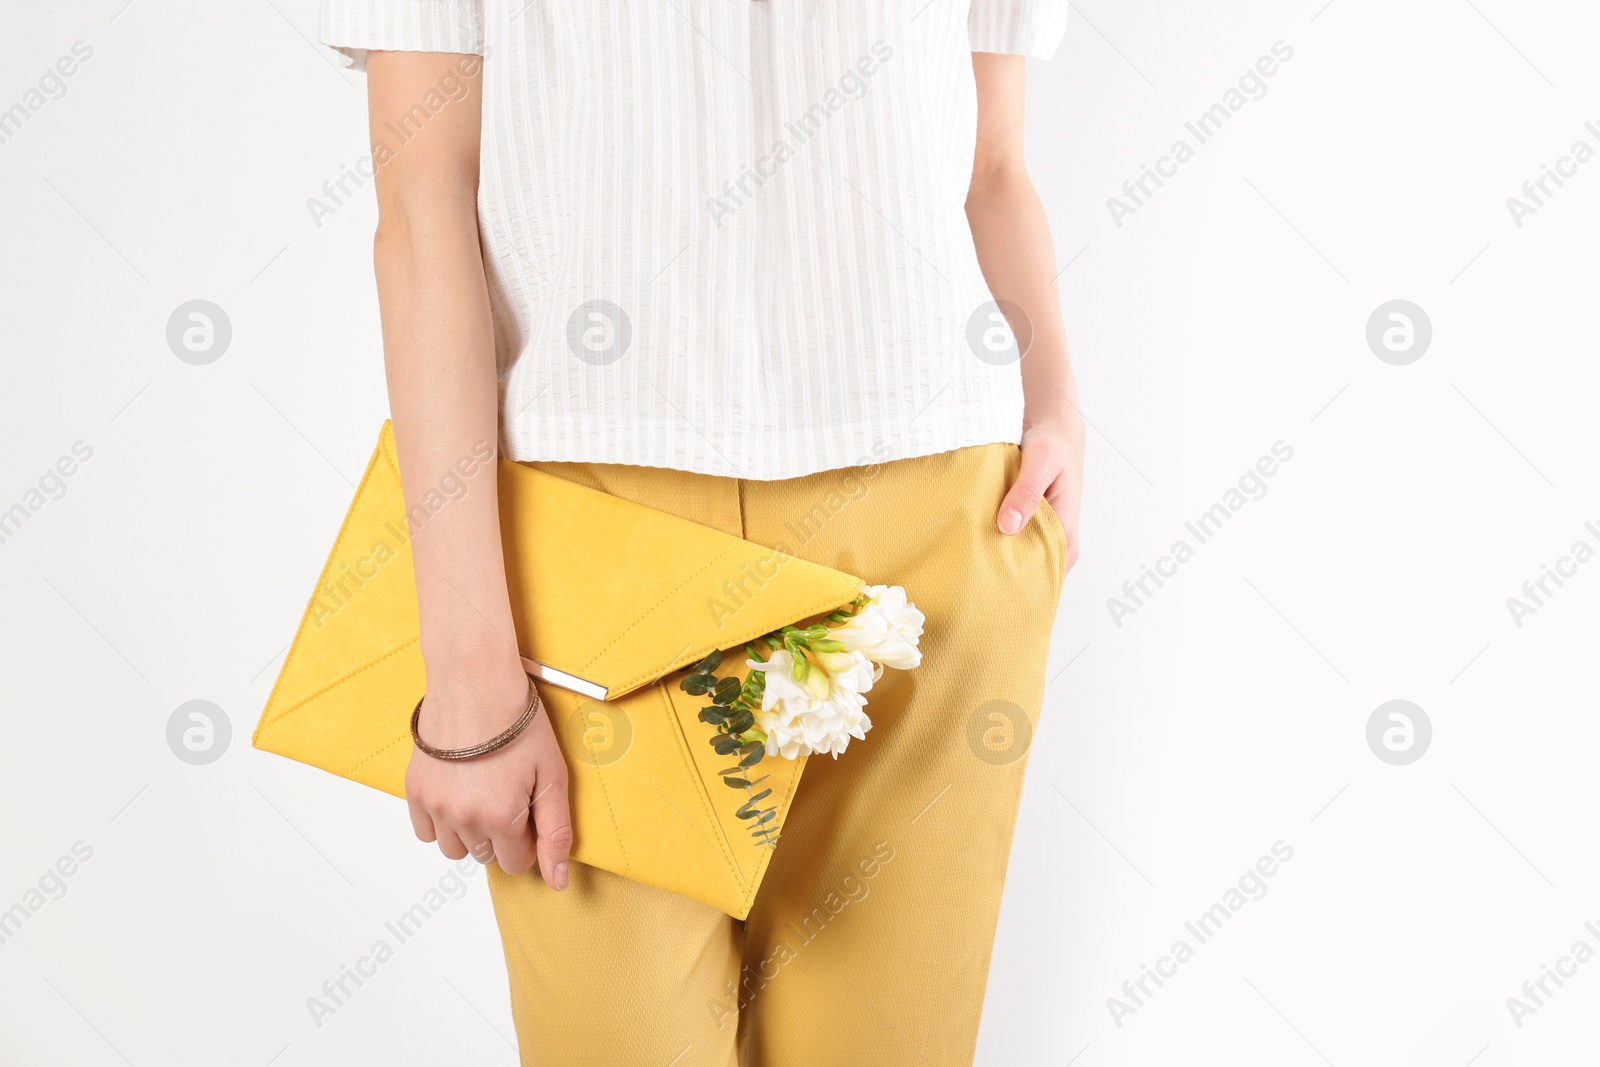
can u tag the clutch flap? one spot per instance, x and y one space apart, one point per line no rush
608 596
614 594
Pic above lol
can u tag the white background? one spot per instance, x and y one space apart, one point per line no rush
1228 713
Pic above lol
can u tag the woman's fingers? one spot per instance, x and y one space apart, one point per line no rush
552 821
1040 465
512 839
450 842
421 821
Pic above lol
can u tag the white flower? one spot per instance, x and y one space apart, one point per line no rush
885 629
821 712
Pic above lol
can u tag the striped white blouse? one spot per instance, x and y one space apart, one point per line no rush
728 236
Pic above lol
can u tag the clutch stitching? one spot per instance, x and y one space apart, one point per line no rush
334 685
305 616
352 772
599 776
788 802
383 447
651 610
694 776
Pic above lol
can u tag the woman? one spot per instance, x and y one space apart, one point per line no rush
739 261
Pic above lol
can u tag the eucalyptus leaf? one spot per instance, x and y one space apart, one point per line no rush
697 684
710 663
736 783
753 804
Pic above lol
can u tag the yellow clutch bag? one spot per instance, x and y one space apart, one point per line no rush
609 597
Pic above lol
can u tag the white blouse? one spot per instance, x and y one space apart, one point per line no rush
728 236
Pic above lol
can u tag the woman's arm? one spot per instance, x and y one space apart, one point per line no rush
440 361
1012 236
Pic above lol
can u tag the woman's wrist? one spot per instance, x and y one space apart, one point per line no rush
470 643
467 708
1057 412
472 660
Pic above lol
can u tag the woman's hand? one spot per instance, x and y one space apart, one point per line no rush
1052 467
507 807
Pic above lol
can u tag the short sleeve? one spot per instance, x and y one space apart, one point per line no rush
352 27
1017 27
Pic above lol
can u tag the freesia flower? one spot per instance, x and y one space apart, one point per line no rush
818 713
809 695
885 629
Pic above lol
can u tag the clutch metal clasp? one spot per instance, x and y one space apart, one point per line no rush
563 680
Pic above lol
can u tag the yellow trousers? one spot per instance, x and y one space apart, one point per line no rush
869 941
